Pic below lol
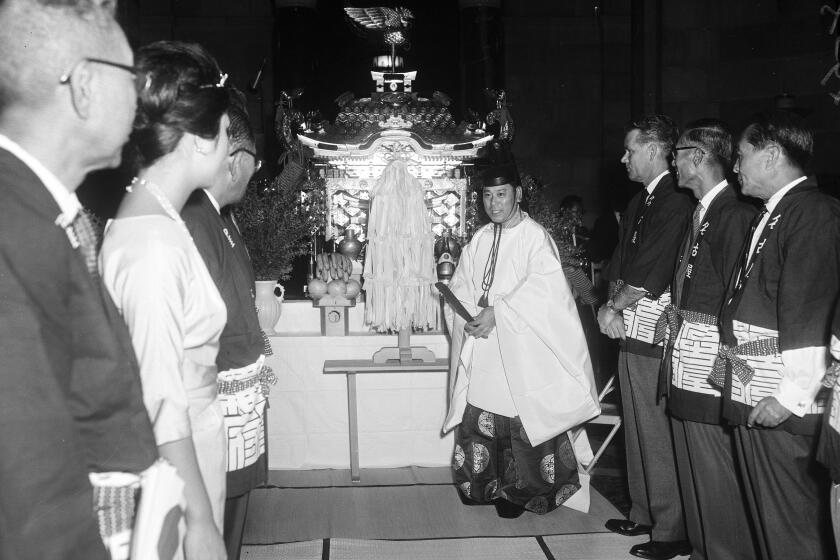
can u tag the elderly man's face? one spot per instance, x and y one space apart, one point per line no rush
636 158
501 202
115 100
750 165
247 166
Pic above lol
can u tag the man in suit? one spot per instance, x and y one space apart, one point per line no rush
71 403
640 274
242 345
717 529
775 325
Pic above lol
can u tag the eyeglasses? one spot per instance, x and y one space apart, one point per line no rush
142 80
678 148
258 163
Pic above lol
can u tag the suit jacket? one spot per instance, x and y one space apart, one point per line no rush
71 401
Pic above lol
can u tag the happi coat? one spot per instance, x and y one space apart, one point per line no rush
241 343
710 263
540 339
649 241
787 303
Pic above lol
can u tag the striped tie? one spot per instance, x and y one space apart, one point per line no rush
87 233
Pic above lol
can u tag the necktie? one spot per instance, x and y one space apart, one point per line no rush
753 227
637 219
695 222
676 292
88 235
744 265
734 292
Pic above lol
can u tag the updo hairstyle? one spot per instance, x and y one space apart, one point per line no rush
186 94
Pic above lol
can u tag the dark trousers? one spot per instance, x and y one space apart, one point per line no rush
235 511
786 494
651 467
716 516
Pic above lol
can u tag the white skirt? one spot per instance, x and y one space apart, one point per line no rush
210 443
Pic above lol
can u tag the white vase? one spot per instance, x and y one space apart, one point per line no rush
268 305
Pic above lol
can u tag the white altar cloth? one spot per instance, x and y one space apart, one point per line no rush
400 414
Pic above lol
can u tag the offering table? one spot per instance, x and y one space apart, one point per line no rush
399 413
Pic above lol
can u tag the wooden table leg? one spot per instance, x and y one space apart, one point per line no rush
355 475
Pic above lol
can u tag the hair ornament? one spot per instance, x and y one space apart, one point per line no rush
222 79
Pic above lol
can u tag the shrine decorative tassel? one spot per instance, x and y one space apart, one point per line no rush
399 264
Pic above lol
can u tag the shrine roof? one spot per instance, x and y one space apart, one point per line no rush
363 120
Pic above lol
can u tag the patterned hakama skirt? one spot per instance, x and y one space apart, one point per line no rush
494 459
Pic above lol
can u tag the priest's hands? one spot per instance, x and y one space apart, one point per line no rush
483 324
611 323
768 413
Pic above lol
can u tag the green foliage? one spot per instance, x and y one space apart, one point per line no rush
277 223
561 225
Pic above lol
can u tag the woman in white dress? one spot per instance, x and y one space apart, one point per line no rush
160 282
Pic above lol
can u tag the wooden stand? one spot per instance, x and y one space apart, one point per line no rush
405 353
334 321
351 368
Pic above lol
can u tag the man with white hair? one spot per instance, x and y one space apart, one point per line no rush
710 251
71 405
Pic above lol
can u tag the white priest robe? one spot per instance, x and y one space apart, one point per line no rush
544 358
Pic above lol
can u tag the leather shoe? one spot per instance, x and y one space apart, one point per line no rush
626 527
661 550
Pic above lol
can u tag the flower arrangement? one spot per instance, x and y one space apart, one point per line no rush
277 218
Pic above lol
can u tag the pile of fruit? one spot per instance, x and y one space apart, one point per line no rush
332 276
333 266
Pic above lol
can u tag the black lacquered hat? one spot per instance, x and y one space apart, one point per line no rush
496 175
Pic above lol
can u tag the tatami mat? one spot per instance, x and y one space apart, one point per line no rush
521 548
311 550
593 546
400 512
601 546
322 478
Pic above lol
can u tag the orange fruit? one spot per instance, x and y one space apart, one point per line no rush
337 288
353 289
317 288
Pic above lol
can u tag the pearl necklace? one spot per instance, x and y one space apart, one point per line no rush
155 191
